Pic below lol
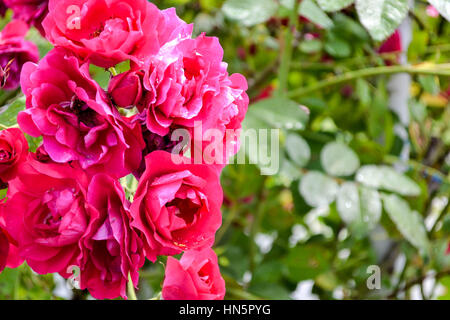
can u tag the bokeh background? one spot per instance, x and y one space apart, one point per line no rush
360 94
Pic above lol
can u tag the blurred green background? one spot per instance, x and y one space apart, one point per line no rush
364 164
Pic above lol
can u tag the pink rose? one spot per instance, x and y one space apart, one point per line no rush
181 82
13 152
14 52
111 31
176 206
30 11
46 215
125 89
195 277
110 248
72 113
187 84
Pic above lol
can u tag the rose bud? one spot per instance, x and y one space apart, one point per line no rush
13 151
126 89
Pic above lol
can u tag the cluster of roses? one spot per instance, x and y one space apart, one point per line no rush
65 205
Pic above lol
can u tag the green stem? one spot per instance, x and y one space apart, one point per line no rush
286 58
130 289
227 223
255 226
437 70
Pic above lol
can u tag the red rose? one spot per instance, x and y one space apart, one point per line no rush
15 51
176 206
30 11
110 248
13 152
186 85
111 31
46 214
195 277
72 113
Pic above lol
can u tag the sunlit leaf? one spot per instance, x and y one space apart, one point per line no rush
359 207
408 222
381 17
386 178
318 189
250 12
298 149
339 160
334 5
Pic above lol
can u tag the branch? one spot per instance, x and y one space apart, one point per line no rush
437 70
418 280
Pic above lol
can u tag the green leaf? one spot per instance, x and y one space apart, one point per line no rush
249 12
276 113
334 5
381 17
318 189
408 222
386 178
337 47
359 207
307 262
310 10
443 6
339 160
310 46
298 149
8 114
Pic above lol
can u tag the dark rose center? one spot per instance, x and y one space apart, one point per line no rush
184 208
5 156
85 115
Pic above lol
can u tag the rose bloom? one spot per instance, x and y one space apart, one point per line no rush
46 214
187 84
72 113
195 277
176 206
111 31
13 152
111 249
14 52
30 11
61 217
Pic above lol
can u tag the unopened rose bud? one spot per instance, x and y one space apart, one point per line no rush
126 89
